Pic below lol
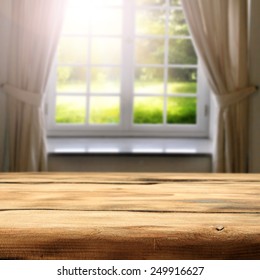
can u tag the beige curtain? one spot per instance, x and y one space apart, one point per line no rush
219 30
36 25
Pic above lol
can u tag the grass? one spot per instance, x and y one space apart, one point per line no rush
147 110
70 110
104 110
140 87
181 87
179 110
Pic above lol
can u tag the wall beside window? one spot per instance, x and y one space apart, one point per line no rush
130 163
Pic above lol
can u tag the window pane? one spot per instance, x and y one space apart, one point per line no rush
149 51
175 2
104 110
181 110
181 51
177 23
70 110
149 2
105 80
76 19
148 110
72 50
149 80
79 12
108 22
71 79
114 2
89 4
106 51
95 3
150 22
182 80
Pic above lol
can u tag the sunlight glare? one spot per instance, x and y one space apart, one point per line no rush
103 15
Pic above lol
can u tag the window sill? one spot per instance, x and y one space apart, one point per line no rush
129 146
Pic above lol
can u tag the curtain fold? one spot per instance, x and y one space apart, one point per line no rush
36 25
219 31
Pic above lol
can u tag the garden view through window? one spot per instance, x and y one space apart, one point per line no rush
126 63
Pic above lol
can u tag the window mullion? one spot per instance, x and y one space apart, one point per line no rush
127 84
88 79
166 61
52 96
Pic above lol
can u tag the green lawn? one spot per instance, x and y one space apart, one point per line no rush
140 87
179 110
70 110
147 110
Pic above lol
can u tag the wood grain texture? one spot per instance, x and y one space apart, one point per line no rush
129 216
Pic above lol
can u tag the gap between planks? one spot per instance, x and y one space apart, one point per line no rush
129 211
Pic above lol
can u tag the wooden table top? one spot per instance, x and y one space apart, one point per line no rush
129 216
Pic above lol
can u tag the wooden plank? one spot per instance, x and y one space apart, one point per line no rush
95 192
117 235
129 216
127 177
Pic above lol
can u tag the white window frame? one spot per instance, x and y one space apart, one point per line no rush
126 128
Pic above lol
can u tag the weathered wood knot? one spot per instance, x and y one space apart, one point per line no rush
219 228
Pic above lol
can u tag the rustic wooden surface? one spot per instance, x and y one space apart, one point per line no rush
129 216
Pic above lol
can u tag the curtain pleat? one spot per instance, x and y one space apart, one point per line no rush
36 25
219 31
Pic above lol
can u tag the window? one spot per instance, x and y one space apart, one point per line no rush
127 67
